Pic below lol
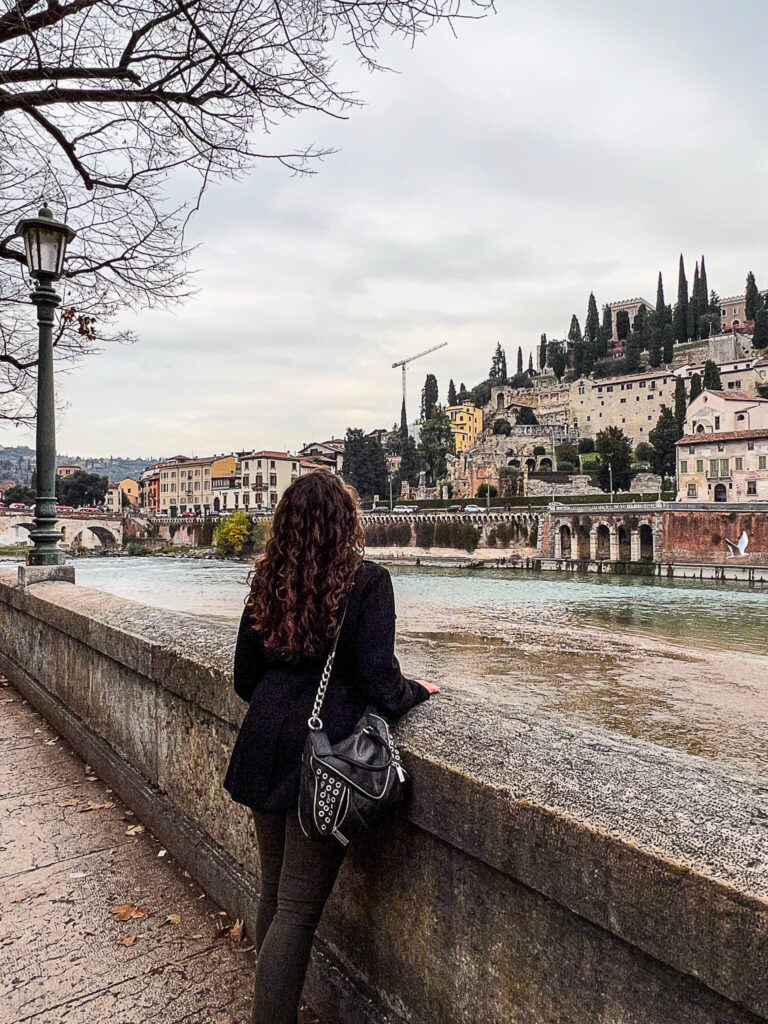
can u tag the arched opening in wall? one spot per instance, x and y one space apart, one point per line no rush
514 462
531 464
603 543
721 492
500 402
106 540
17 535
565 541
582 542
545 466
625 545
700 428
216 505
646 542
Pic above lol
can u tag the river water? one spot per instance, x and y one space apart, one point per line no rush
674 662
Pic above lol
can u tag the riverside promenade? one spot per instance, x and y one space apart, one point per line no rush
97 922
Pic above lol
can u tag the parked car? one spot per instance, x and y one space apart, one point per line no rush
454 508
87 508
187 515
474 508
405 509
379 509
64 508
19 505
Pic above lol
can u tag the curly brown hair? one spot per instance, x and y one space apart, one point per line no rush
300 582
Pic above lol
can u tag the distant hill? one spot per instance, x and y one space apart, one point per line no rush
18 463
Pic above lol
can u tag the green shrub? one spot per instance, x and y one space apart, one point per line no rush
586 445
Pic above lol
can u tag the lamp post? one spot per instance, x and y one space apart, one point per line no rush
610 477
45 242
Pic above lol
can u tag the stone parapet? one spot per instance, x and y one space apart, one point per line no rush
542 872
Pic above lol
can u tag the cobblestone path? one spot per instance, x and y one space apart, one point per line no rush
97 923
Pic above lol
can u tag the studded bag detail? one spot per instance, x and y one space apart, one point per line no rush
349 786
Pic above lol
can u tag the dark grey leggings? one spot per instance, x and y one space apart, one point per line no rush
297 875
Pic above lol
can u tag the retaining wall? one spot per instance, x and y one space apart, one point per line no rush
542 874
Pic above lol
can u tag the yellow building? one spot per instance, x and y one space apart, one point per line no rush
130 489
466 424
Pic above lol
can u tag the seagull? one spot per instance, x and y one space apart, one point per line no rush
738 548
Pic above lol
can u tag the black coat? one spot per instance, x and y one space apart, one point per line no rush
264 768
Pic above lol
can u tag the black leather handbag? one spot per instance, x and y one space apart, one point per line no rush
350 785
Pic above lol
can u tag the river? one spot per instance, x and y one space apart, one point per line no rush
674 662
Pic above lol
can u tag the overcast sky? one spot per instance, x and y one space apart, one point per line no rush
480 195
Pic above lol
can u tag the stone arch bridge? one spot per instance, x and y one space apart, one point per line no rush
79 532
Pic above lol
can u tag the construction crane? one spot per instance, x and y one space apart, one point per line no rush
404 362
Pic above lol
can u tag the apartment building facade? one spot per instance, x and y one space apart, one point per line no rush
615 347
632 403
723 456
466 422
186 484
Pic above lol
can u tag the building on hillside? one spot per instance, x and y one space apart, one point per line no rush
745 374
632 403
113 499
68 468
733 313
466 422
723 455
325 453
631 307
549 401
149 489
186 483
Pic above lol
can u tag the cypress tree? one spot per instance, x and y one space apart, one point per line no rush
498 371
752 301
681 405
696 387
592 323
576 345
403 422
429 397
695 298
543 352
451 392
654 336
760 336
661 307
530 364
704 285
667 343
641 321
632 351
664 438
712 380
622 325
519 359
680 321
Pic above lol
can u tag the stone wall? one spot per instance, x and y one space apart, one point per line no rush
700 536
542 873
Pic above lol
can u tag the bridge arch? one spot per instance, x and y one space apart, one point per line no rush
106 539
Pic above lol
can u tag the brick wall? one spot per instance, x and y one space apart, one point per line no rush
699 536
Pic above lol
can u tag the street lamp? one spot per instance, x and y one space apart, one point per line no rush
45 242
610 476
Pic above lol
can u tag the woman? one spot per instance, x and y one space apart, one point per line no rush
312 570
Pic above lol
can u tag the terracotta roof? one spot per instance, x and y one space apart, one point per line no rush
633 377
736 396
271 455
730 435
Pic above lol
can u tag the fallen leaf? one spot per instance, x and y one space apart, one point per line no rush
91 778
187 874
70 803
91 807
49 742
128 940
236 932
36 732
108 804
127 911
33 894
198 936
173 919
134 830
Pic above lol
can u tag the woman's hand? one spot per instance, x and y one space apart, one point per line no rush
428 686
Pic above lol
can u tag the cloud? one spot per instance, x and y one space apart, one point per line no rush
482 193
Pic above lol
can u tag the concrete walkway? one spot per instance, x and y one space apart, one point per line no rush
71 855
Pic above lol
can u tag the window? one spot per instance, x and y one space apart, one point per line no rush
714 467
273 480
272 464
738 463
699 465
623 401
691 490
609 388
725 467
751 486
761 460
735 310
750 446
642 383
683 465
